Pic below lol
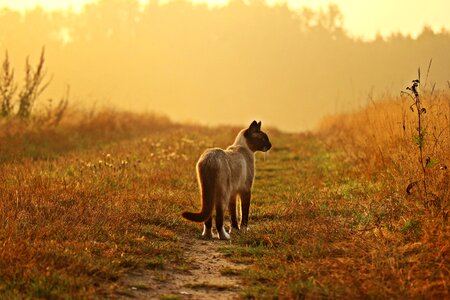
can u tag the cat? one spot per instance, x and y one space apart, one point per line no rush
223 175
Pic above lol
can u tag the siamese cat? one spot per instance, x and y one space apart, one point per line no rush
223 175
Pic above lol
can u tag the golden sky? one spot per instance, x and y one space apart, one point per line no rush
211 67
362 18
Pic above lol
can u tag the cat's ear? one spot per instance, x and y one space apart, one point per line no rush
251 129
259 125
254 126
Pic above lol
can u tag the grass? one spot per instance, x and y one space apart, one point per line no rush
326 232
170 297
87 202
206 285
79 218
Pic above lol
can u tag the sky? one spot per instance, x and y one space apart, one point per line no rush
362 18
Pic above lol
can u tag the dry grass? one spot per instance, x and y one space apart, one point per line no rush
82 203
384 137
79 130
322 229
380 144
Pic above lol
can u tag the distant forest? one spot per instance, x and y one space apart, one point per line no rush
219 65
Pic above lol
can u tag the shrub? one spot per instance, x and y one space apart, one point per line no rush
20 102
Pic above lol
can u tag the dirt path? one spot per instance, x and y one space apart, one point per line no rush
206 275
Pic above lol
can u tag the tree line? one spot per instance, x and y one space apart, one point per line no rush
218 65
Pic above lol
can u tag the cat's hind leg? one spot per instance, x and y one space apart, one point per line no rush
233 213
223 235
207 229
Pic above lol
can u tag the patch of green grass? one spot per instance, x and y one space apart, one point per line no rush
155 262
207 285
243 254
130 262
412 227
227 271
170 297
124 292
42 288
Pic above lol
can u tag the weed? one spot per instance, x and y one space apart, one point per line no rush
419 139
34 85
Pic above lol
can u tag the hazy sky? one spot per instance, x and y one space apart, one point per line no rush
362 17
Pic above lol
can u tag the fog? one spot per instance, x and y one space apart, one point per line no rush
224 65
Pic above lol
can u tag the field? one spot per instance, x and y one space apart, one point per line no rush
87 203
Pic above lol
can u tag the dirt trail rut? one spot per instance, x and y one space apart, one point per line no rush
201 278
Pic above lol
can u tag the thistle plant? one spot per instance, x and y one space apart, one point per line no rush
419 139
430 185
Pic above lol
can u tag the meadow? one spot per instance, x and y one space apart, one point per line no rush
85 203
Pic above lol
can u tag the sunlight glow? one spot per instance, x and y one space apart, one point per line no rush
363 19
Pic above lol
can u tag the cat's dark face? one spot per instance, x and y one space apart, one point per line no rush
256 139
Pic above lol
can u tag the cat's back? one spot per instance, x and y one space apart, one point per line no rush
233 156
214 157
239 154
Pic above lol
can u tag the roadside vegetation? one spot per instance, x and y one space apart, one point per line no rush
359 209
82 205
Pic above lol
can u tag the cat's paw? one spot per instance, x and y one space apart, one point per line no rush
234 229
223 235
244 229
207 233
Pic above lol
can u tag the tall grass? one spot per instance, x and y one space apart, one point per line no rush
77 130
406 138
19 100
402 143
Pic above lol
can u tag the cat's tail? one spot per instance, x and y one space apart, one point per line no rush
206 177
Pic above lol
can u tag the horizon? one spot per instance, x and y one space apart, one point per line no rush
196 64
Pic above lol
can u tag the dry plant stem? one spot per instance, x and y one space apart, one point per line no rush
34 84
7 87
421 143
421 137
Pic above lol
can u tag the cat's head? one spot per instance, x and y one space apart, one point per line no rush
256 139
